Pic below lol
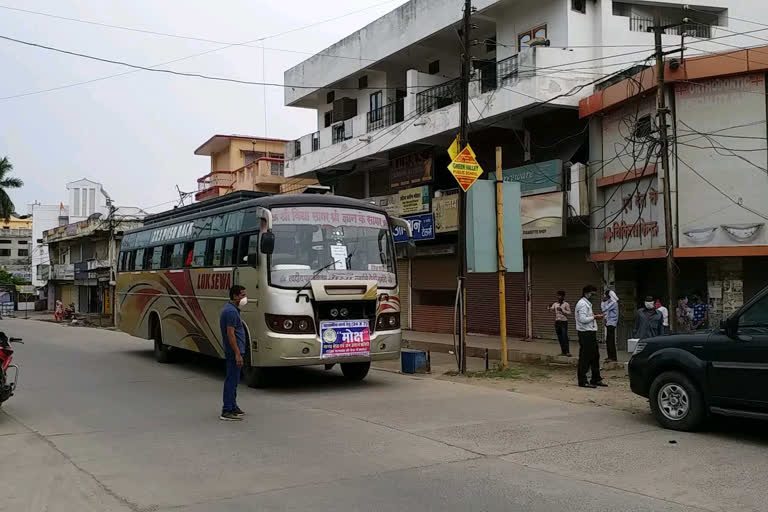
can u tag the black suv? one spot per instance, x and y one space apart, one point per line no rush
686 377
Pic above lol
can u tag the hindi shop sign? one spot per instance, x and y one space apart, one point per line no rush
410 170
465 168
422 228
414 200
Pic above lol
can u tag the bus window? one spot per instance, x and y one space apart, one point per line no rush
218 223
157 258
218 252
198 258
177 258
209 252
249 248
202 228
229 249
234 222
138 263
123 258
167 254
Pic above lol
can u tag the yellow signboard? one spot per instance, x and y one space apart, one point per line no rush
465 168
453 149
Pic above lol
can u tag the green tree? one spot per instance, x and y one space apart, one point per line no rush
7 182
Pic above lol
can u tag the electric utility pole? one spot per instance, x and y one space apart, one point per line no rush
466 63
661 113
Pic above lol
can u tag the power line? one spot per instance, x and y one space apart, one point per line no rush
200 39
182 73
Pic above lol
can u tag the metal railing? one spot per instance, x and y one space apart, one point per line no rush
386 115
341 131
507 71
16 233
697 30
438 96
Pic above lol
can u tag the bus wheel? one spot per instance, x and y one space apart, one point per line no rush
162 352
355 371
254 376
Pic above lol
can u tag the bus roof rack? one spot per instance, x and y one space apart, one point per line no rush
208 204
317 189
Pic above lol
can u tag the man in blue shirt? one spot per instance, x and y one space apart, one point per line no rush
700 313
233 339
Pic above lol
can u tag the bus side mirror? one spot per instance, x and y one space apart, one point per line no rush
267 242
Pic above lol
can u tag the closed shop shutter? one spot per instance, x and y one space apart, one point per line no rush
66 295
483 303
433 286
568 270
404 282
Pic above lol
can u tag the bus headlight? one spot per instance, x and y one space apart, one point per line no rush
388 321
287 324
334 312
344 312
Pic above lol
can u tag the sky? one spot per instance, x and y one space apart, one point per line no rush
136 133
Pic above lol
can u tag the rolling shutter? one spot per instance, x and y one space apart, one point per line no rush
568 270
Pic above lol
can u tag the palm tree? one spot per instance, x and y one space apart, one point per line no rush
7 182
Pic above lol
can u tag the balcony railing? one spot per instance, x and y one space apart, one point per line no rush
341 131
63 272
438 96
507 71
306 144
15 233
386 115
697 30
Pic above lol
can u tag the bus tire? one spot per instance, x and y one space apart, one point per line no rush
163 353
355 371
256 377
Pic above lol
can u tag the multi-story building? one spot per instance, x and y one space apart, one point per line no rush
239 162
717 176
387 103
16 247
44 217
87 198
83 260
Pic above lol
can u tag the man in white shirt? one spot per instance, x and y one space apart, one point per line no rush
664 317
562 311
586 327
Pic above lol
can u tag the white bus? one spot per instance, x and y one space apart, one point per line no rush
319 271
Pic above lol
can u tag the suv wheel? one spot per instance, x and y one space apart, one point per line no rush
675 402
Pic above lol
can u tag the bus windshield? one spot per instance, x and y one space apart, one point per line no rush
345 243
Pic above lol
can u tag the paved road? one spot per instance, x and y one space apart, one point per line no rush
99 426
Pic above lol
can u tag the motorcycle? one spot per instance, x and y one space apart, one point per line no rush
69 311
7 387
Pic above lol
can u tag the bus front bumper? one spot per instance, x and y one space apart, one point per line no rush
286 350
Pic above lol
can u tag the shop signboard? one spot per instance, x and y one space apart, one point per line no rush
422 228
390 203
410 170
536 178
446 213
414 200
542 215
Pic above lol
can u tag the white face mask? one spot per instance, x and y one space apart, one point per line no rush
649 305
243 301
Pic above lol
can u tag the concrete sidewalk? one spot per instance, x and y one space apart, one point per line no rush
518 350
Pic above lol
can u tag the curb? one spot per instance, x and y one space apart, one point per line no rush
513 355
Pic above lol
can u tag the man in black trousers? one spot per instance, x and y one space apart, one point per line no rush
586 327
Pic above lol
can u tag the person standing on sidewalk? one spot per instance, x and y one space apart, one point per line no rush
648 320
586 327
562 311
610 308
233 339
664 316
